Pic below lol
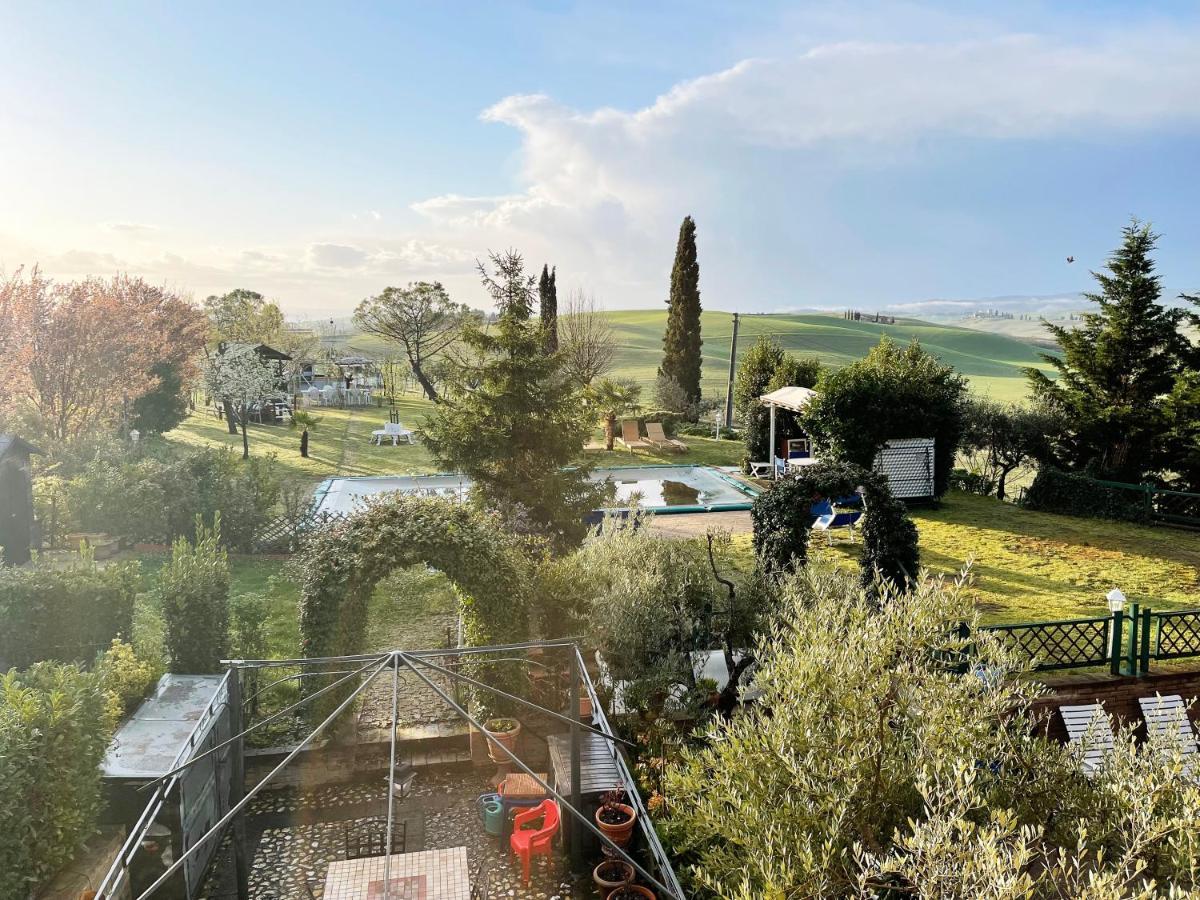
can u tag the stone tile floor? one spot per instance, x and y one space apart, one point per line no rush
295 833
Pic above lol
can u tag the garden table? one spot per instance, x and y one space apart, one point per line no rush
426 875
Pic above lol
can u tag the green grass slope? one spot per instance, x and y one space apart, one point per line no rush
991 362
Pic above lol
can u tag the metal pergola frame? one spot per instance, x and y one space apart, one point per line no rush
372 665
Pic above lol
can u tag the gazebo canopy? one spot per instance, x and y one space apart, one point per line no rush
793 398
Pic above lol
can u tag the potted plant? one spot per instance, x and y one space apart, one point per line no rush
612 873
615 817
632 892
504 730
585 704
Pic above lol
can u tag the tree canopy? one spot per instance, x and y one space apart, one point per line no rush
681 340
548 307
894 392
80 354
512 423
421 318
765 367
243 316
1119 367
869 767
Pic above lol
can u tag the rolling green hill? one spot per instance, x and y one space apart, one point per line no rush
991 362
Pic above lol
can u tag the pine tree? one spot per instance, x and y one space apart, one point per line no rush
512 424
1117 367
681 341
548 307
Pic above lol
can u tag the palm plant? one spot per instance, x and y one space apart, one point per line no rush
614 398
307 422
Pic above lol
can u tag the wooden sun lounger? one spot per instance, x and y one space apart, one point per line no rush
1167 717
631 438
1088 726
658 437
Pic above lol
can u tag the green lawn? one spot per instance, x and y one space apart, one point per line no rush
1032 566
262 575
341 444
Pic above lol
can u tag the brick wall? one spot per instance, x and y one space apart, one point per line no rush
1119 694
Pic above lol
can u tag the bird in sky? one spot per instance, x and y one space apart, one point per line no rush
1070 259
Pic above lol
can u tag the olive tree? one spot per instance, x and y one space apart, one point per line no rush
890 756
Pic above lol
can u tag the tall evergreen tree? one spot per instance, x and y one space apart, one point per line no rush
513 424
548 307
1118 367
681 341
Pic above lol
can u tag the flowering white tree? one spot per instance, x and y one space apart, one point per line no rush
240 379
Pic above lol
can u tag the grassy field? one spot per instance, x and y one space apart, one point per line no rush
1031 566
991 362
341 444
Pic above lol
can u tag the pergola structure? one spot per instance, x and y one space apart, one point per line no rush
365 669
792 398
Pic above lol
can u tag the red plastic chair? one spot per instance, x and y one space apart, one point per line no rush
529 843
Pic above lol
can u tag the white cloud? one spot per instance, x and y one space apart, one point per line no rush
336 256
603 189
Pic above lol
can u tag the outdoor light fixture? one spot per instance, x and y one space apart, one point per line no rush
134 435
1116 600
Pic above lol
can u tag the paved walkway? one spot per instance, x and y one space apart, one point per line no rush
685 525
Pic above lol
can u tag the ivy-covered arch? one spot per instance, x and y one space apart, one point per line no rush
783 519
343 565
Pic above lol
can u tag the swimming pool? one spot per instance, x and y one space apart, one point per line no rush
660 489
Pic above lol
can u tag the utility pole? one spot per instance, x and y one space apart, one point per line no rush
732 370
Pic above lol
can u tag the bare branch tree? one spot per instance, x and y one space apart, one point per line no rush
586 340
421 318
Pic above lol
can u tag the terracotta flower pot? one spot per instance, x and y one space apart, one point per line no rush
630 891
585 706
617 832
606 880
506 731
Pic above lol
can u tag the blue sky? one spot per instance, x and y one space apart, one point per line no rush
832 154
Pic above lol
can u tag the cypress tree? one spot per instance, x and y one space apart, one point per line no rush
1118 367
548 307
681 341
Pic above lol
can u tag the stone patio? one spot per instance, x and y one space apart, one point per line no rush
295 834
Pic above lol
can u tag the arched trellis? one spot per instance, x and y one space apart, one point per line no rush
783 519
342 566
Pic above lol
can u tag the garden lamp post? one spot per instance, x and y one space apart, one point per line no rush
1116 600
1116 607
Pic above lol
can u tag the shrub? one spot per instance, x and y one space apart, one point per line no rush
165 405
766 366
893 393
868 769
651 600
67 614
144 497
670 395
194 593
125 678
1078 495
53 735
783 519
671 421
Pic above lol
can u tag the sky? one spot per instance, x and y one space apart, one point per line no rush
832 154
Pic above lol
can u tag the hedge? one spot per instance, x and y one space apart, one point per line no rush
53 734
159 499
1079 495
68 614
